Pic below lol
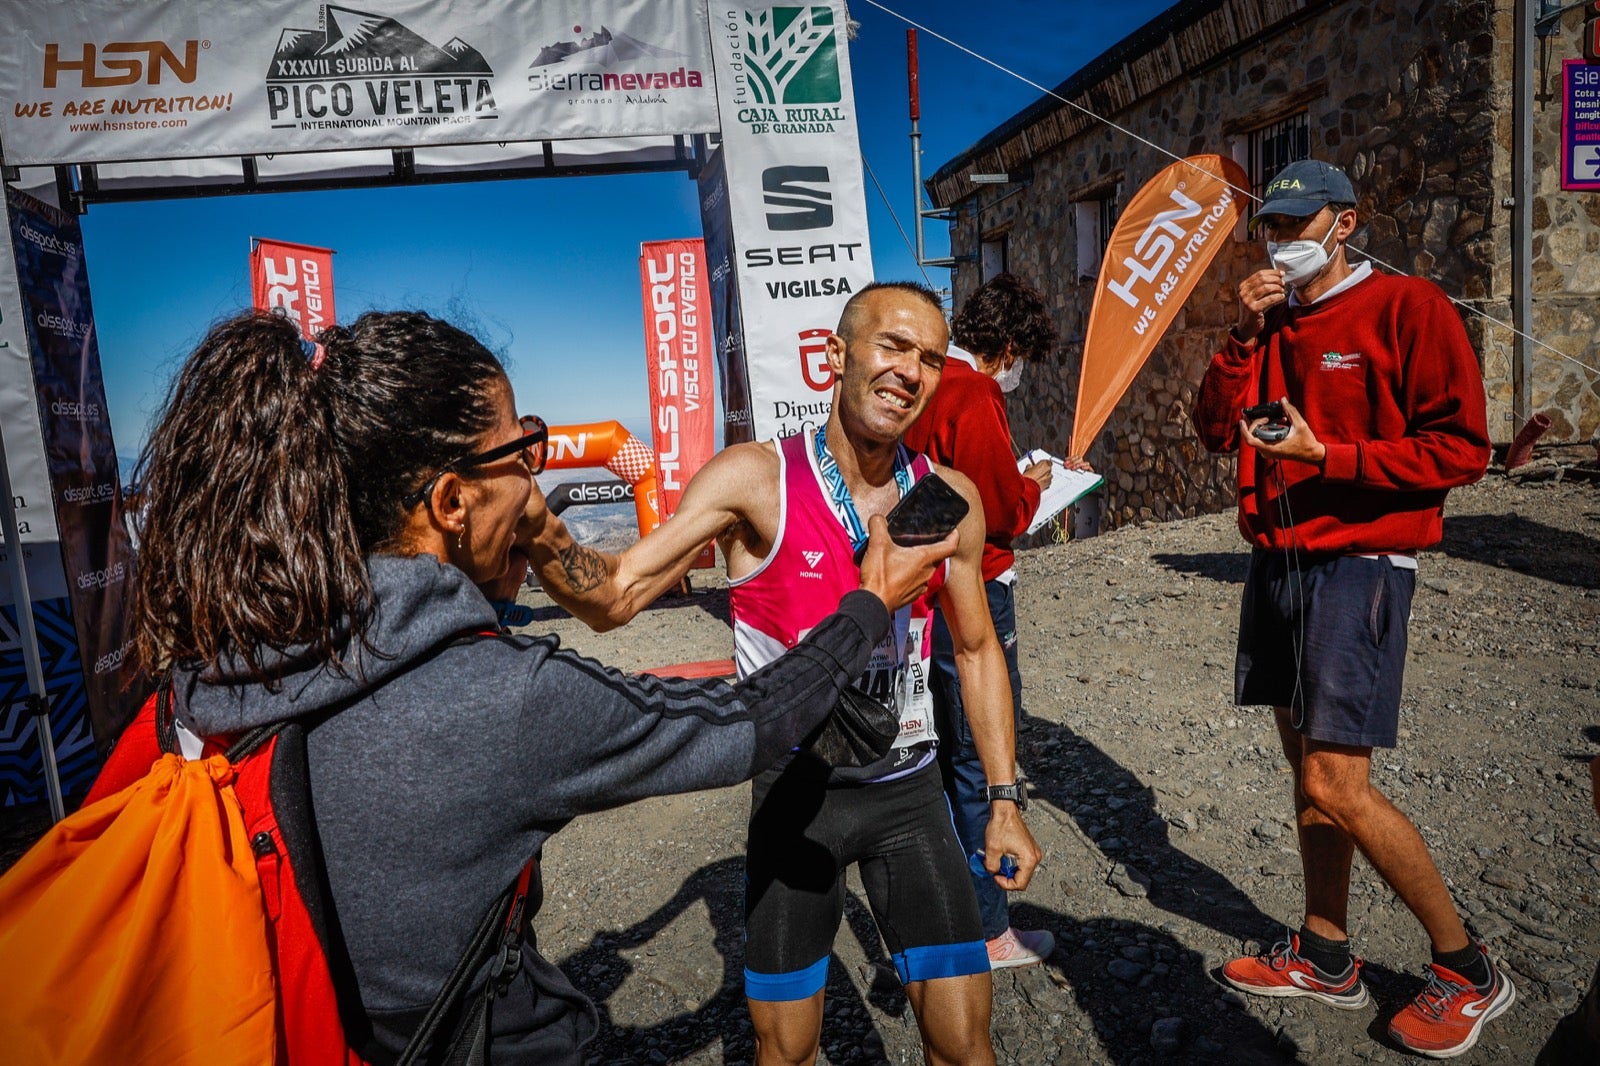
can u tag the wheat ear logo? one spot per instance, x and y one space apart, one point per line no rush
793 56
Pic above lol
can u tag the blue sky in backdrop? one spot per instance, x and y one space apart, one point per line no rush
546 271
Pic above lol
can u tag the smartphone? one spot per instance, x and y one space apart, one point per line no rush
925 515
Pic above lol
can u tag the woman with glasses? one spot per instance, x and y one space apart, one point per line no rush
316 537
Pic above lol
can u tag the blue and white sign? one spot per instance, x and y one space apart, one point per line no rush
1580 125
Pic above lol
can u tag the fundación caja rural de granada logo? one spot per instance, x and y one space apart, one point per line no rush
791 70
359 70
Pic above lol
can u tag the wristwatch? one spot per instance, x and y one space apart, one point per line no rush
1015 793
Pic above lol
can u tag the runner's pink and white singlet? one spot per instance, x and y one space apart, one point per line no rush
800 583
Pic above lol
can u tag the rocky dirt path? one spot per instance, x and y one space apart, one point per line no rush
1164 813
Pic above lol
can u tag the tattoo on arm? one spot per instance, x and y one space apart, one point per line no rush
585 568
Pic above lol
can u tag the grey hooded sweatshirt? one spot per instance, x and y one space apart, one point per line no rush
448 763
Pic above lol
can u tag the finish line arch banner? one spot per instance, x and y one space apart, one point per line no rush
1162 243
95 81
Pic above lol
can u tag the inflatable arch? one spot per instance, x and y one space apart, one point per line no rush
609 444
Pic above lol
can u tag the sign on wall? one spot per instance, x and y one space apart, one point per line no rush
104 80
795 195
1580 125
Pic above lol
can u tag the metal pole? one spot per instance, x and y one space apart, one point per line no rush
28 637
1522 216
916 135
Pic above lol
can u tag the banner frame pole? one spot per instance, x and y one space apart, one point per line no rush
28 635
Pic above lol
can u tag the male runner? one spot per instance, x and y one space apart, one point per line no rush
787 514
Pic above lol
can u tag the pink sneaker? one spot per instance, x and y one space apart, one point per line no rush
1019 947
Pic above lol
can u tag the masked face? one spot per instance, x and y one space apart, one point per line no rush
1303 259
1010 377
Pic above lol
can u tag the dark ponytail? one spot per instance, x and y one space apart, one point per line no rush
268 480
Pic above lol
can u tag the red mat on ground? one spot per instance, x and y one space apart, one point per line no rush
704 668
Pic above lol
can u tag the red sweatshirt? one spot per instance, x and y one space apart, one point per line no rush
1386 378
965 428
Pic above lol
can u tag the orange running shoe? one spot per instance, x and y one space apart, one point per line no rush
1283 972
1448 1014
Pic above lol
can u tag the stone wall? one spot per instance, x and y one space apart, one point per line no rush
1413 105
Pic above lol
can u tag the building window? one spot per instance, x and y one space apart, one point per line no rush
1274 147
992 257
1096 219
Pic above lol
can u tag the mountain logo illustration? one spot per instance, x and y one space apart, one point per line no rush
603 48
793 55
359 70
362 44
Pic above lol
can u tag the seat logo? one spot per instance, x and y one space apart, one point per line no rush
802 193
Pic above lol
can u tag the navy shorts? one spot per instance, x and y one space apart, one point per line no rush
1326 639
803 836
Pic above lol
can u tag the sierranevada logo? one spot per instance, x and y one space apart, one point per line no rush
359 70
790 68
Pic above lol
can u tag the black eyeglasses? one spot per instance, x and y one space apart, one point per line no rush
531 448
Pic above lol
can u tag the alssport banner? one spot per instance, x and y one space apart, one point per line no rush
296 279
85 492
795 196
1163 242
677 342
105 80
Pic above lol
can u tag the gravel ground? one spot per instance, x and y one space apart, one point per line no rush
1164 812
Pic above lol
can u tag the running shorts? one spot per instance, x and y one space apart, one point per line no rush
803 836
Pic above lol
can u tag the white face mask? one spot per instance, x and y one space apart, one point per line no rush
1009 378
1300 260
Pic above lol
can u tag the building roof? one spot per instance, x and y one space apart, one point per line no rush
1188 35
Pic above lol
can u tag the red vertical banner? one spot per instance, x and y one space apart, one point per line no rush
679 355
296 279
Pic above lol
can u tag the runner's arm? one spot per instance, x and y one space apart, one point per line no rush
985 689
605 589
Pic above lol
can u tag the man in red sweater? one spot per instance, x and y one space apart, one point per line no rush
1382 414
1002 324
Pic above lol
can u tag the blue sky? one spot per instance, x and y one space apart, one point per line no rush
546 270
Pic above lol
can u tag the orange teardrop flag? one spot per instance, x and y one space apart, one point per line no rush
1162 244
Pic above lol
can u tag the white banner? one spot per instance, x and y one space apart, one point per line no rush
105 80
795 190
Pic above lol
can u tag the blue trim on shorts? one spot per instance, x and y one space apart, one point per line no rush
796 984
941 960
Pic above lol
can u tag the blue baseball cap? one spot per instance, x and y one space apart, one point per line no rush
1303 188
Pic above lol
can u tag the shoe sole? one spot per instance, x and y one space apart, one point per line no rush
1502 1002
1339 1002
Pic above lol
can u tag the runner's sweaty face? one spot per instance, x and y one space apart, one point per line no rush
890 363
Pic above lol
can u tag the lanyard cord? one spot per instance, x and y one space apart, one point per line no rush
843 504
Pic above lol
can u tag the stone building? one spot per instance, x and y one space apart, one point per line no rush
1414 99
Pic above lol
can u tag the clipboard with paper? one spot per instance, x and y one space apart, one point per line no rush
1066 487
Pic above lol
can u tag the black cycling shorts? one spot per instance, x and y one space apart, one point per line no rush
803 835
